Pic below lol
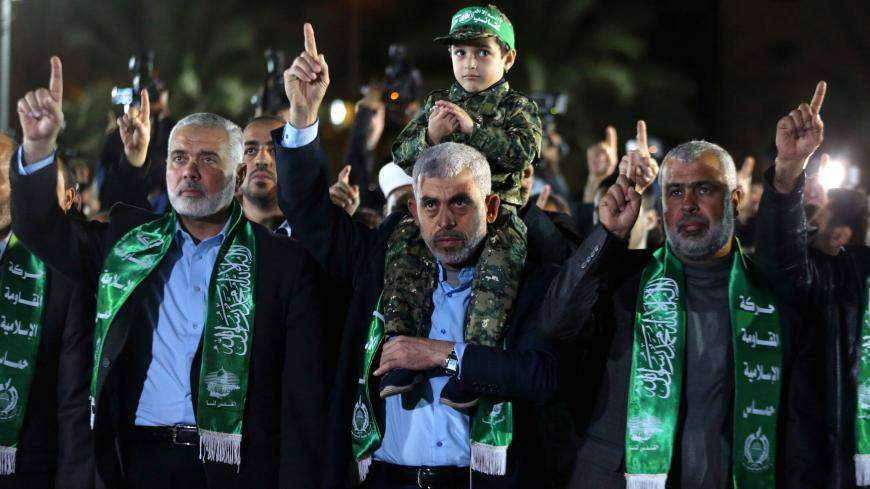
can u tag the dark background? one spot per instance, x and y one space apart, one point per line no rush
724 71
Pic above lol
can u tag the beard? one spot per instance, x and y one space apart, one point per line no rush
706 243
208 205
259 193
460 255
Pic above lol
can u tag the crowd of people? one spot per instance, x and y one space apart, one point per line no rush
247 320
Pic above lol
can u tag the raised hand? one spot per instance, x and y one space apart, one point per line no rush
619 207
601 161
744 176
464 121
305 82
442 123
798 135
638 164
41 115
544 196
135 129
343 194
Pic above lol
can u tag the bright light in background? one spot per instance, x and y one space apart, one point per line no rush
337 112
833 174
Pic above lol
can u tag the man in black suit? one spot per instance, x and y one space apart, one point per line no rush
185 393
832 282
595 305
425 442
53 446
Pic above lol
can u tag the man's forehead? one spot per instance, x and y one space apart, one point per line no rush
260 131
705 168
440 186
199 136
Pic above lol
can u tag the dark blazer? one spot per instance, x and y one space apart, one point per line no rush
282 442
55 445
834 291
591 306
526 372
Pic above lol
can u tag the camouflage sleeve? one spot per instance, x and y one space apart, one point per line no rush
412 140
515 145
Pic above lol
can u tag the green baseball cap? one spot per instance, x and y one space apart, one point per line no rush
479 22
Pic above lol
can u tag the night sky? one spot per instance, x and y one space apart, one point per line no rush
724 71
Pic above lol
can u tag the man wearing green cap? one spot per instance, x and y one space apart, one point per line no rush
482 111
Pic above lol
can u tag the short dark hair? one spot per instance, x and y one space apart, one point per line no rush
266 118
69 177
847 207
502 47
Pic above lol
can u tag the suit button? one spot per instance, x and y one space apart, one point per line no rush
106 362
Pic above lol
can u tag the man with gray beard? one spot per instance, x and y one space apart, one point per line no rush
698 375
196 380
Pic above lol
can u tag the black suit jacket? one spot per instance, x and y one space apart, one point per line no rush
833 289
55 445
526 372
591 306
282 442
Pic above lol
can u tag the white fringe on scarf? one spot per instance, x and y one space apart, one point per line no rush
488 459
645 481
862 469
220 447
362 466
7 460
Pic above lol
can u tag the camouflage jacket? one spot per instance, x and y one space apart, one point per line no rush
507 132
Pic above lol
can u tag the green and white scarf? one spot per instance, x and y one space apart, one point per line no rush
658 358
491 426
22 279
228 335
862 412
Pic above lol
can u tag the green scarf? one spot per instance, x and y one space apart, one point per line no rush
228 334
862 412
23 279
491 426
657 374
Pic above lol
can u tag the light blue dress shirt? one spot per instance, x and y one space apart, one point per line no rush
420 431
179 298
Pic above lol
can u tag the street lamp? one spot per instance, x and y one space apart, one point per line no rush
5 61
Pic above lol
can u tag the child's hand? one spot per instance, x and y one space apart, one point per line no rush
466 123
441 124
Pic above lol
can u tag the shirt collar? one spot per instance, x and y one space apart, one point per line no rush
499 88
182 236
466 276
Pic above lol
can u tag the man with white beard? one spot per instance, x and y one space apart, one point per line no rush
199 380
700 373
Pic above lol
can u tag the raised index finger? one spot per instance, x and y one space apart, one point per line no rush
145 107
610 137
310 43
642 147
818 97
55 83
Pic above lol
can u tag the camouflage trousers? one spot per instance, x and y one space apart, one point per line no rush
411 273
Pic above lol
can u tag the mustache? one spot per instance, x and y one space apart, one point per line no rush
188 185
265 170
449 234
693 220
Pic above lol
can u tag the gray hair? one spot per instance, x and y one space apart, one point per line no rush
449 160
235 145
692 150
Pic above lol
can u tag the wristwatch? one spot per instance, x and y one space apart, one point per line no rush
451 364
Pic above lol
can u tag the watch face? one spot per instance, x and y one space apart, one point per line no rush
452 365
